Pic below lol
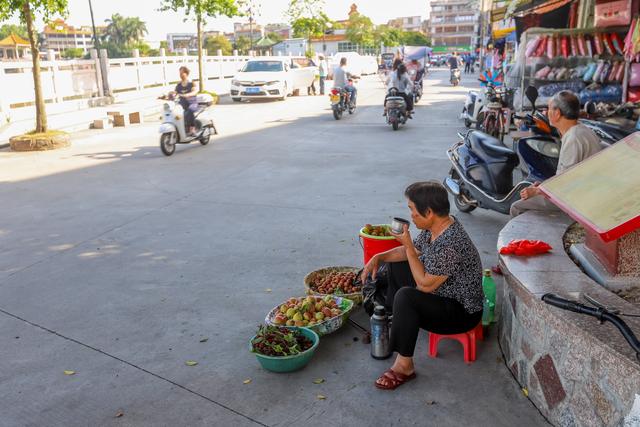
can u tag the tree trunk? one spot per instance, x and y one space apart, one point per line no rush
41 112
200 73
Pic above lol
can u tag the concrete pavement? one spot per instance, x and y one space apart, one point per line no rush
116 262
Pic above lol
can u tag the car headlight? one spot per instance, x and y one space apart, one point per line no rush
235 82
274 82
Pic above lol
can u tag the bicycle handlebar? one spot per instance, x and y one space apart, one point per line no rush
602 314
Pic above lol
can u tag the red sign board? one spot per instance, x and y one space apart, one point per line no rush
602 192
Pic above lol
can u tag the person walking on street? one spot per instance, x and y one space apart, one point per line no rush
467 63
322 71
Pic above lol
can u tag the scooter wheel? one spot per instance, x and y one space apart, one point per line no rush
204 140
467 123
167 143
395 125
337 114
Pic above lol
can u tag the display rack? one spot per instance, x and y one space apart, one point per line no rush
533 64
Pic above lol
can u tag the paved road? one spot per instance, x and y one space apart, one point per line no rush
116 261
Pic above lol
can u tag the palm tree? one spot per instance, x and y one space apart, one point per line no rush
125 31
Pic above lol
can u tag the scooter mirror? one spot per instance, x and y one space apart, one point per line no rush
590 108
532 95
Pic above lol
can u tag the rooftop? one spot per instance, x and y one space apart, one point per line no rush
13 40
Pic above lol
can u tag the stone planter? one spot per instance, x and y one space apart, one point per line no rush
40 141
576 371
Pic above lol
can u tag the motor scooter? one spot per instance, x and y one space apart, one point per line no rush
455 76
396 109
172 130
341 101
482 169
473 106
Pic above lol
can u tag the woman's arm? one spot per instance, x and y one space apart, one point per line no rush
425 282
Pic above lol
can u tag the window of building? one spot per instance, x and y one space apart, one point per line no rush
347 47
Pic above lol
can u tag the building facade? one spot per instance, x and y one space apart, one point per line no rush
454 26
294 47
253 31
283 30
177 41
59 36
407 23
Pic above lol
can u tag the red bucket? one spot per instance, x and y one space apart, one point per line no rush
372 245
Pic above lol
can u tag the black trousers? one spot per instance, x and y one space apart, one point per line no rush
189 117
413 309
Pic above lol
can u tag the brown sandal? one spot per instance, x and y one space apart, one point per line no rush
393 379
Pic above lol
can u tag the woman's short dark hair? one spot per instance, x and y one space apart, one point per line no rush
429 195
396 63
184 69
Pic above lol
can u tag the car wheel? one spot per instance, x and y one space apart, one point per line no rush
236 99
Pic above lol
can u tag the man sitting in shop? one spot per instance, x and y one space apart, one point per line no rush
578 143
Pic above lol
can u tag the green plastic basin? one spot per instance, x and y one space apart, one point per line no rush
289 363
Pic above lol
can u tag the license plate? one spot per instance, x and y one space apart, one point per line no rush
253 89
335 98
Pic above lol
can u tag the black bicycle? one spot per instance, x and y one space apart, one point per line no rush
600 312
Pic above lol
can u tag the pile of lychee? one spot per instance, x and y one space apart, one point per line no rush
307 311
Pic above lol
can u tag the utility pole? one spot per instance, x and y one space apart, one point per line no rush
96 44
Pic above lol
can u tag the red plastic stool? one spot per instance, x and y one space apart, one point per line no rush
467 339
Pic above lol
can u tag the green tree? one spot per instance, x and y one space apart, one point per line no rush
123 30
415 38
242 44
26 10
275 37
388 36
8 29
200 10
360 30
213 43
73 53
307 18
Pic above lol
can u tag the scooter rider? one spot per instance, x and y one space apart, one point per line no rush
187 92
341 77
454 61
578 143
400 80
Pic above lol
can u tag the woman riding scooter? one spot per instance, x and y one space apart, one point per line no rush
400 80
187 92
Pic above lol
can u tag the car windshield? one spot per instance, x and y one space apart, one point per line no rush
257 66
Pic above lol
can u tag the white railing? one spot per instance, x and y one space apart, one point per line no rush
78 80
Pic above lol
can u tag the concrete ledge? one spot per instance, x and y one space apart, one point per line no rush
576 371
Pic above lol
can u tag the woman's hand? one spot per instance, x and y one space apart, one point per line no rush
404 237
370 268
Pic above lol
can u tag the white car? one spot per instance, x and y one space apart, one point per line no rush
273 77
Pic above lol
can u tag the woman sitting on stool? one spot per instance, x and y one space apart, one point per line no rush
435 281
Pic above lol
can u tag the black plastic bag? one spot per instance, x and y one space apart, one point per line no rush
374 291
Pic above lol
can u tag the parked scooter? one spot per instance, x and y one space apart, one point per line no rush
455 76
341 101
482 169
396 107
172 130
473 106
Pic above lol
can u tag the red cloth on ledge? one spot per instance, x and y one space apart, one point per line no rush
525 248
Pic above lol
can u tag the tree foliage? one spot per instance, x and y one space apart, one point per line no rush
242 44
73 53
124 30
304 9
360 30
27 10
200 10
8 29
213 43
415 38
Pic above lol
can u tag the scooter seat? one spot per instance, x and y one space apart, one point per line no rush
492 146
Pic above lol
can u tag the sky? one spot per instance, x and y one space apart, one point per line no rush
272 11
